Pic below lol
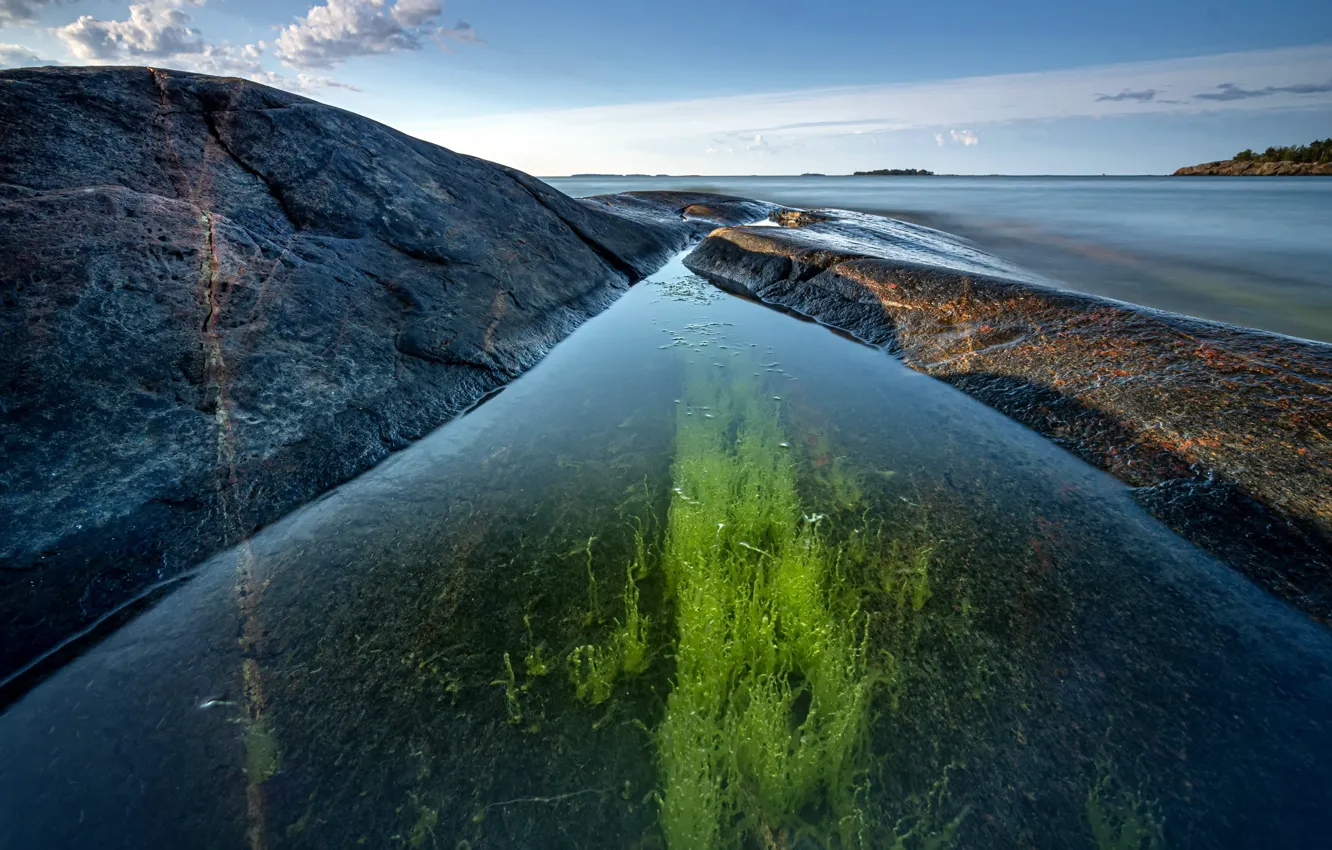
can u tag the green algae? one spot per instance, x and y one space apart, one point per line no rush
783 631
593 614
766 723
593 670
765 738
905 574
534 663
925 826
424 827
631 636
839 484
510 684
261 752
1122 818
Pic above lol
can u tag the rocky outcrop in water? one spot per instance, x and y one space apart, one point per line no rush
699 213
1240 168
218 300
1223 430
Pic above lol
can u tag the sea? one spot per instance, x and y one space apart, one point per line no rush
1254 252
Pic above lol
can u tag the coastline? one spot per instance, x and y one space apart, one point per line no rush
1248 252
1239 168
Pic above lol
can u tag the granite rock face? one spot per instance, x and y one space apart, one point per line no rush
218 300
1238 168
1224 431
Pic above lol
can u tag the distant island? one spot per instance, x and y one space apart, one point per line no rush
895 172
1310 159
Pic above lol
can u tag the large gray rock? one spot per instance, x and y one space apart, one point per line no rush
1223 430
218 300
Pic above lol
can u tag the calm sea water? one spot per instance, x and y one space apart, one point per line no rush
1251 252
401 664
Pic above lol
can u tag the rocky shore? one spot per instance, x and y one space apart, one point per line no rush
1239 168
219 300
1222 430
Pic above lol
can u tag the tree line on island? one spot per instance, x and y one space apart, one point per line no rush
1318 151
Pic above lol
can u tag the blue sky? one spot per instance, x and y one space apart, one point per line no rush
779 87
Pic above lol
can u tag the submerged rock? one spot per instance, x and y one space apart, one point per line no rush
1224 430
218 300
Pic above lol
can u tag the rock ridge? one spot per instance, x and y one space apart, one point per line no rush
219 300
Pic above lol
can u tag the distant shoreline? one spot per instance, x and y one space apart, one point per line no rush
845 176
1311 160
1242 168
894 172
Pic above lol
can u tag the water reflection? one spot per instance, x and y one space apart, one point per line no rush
423 658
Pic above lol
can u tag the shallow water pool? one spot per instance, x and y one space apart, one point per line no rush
709 575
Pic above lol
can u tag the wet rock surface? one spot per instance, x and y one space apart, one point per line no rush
796 218
696 213
1222 430
218 300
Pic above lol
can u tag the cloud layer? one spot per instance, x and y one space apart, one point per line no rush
20 11
329 35
1229 91
966 138
18 56
1140 96
659 136
162 31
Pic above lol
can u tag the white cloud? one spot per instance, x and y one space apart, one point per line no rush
966 138
18 56
414 13
152 31
162 31
310 82
651 136
330 34
224 61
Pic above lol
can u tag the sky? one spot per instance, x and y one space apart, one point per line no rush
778 87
